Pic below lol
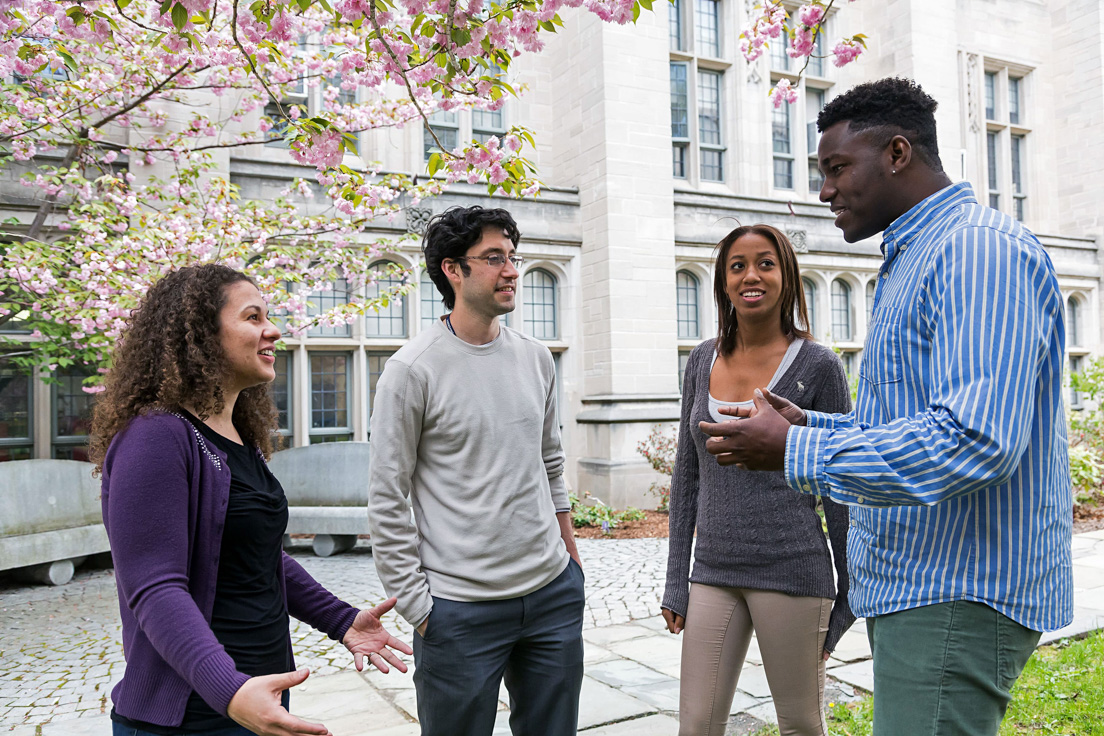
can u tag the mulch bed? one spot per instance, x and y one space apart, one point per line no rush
654 525
1089 516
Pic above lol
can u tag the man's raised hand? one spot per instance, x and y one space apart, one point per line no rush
755 443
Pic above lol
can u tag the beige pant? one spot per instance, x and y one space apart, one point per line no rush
790 631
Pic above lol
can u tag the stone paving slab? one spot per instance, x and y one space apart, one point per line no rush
60 652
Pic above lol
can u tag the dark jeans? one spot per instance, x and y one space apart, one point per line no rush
118 729
535 642
945 669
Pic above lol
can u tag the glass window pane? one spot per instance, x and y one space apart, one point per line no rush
1017 164
990 96
390 320
324 301
816 61
841 311
783 173
72 406
15 401
707 27
1014 101
1075 395
870 301
780 129
687 302
281 391
674 24
680 110
678 161
1073 329
329 390
994 179
684 358
709 108
540 304
810 303
779 59
712 165
433 308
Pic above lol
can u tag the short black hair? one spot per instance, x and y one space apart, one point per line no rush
450 234
889 107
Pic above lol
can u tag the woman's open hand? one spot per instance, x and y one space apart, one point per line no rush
367 638
257 707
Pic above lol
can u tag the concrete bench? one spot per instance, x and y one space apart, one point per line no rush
50 518
327 492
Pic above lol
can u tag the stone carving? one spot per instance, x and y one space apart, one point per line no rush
973 98
417 218
798 239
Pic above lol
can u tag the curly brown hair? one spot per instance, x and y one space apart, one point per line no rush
171 355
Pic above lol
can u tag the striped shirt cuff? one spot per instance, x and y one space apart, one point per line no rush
806 452
820 420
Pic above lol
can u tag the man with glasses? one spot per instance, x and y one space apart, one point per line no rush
465 431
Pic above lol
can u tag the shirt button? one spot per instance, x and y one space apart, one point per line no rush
807 487
853 523
860 499
885 275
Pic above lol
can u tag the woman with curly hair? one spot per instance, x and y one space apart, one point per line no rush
196 520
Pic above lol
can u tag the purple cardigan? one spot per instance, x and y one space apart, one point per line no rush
164 496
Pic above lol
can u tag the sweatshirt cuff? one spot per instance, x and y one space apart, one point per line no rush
417 608
560 501
806 453
216 681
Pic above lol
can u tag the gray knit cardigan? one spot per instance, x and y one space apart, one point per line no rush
754 531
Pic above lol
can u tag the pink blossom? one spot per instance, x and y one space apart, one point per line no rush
846 51
810 15
783 92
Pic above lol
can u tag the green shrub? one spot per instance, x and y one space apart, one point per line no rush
599 514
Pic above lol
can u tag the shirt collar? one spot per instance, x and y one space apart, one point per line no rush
908 226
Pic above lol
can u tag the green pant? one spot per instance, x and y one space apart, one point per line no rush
946 669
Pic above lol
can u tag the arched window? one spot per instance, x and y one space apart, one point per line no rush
686 299
432 306
841 311
324 301
540 304
810 303
870 286
389 321
1073 322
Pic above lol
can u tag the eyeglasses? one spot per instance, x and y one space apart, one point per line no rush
495 260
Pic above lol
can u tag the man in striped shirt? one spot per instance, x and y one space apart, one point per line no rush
954 461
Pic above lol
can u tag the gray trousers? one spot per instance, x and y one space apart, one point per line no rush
535 642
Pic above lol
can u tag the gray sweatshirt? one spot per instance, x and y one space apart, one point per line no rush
754 531
467 435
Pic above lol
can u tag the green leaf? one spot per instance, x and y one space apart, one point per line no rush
434 163
548 26
179 16
76 14
165 5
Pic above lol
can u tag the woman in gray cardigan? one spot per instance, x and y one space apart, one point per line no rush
761 562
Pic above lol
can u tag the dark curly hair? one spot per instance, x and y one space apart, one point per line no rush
795 316
450 234
888 107
171 354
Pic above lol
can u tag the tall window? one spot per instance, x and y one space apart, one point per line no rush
674 25
16 440
390 320
707 27
282 393
540 304
323 301
488 123
709 126
1075 364
814 103
870 287
810 303
446 126
680 119
783 150
841 312
697 91
1073 322
330 416
432 306
1007 138
72 414
684 358
687 301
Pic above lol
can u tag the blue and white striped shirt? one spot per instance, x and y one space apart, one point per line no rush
955 459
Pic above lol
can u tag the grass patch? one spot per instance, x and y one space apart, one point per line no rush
1060 693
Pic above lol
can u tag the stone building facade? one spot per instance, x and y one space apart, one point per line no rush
655 140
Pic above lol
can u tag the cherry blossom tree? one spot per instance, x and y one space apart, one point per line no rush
770 23
114 113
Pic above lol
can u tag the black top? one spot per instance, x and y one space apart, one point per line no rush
250 617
